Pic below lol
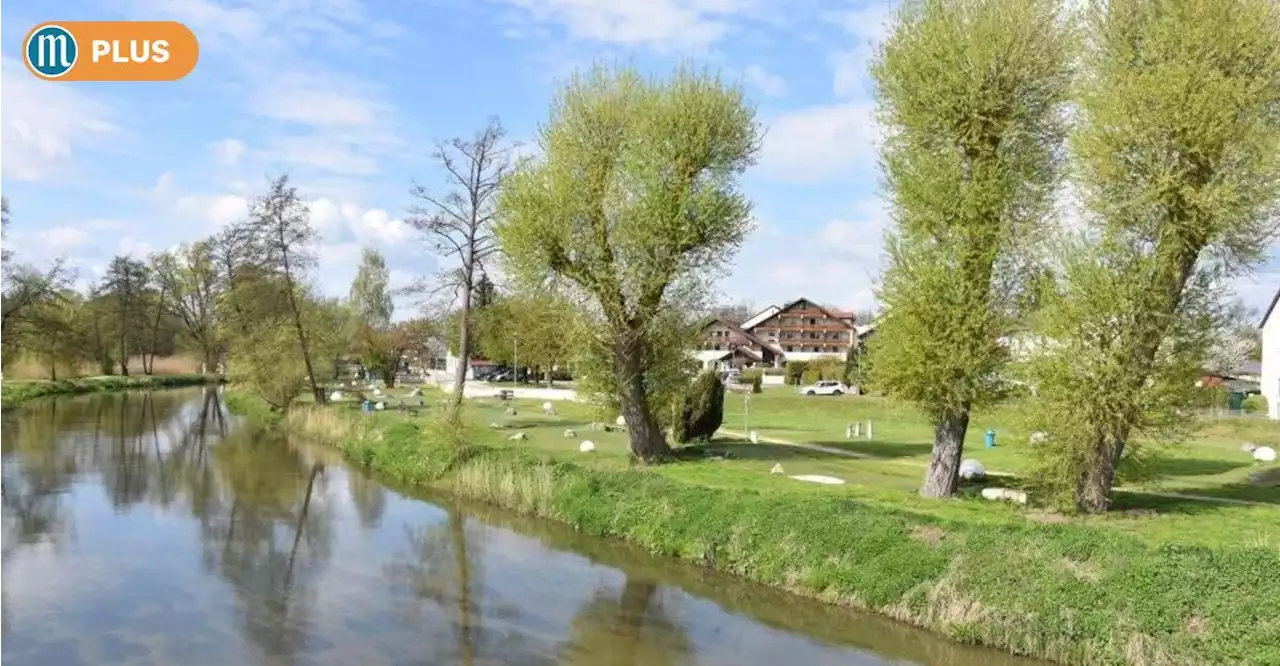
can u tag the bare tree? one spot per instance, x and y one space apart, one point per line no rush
458 224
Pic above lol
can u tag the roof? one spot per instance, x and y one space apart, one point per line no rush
740 331
706 355
1270 308
760 316
834 314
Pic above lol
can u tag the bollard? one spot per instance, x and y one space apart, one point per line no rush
991 439
857 429
869 432
848 431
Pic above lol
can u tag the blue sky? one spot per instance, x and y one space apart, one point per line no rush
348 96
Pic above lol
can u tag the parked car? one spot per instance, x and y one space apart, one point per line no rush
825 387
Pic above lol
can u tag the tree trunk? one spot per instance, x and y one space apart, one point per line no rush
464 345
637 596
648 442
316 389
155 338
457 528
943 475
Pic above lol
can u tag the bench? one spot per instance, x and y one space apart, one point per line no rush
506 394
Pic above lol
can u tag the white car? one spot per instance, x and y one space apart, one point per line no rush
825 387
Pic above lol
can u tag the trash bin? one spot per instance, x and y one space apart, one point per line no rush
991 439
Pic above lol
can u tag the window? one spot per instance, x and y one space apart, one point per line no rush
813 322
790 348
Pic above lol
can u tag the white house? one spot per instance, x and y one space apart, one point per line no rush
1270 379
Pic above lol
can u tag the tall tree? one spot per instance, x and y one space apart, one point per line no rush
189 276
636 205
125 284
972 93
5 253
280 236
458 225
370 296
1177 165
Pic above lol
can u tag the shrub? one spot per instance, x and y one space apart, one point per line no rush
1255 404
757 384
773 372
795 371
703 409
812 376
828 368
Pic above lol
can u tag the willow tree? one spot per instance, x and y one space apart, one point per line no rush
635 204
971 96
1177 156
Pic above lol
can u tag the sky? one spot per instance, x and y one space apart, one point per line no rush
349 98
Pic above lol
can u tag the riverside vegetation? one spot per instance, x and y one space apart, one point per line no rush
15 392
1073 591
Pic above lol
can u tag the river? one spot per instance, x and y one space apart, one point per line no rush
155 528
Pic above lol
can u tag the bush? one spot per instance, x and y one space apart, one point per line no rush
703 409
775 372
757 384
1255 404
827 368
812 376
755 378
795 371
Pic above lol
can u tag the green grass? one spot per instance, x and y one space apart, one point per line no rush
15 392
1164 581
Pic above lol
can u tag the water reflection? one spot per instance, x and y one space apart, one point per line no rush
154 528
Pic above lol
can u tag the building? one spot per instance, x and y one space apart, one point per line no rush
798 331
1270 372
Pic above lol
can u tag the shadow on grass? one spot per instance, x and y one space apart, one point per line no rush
1196 466
581 427
740 450
1138 503
881 449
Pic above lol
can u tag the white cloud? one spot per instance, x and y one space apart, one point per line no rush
769 83
59 239
378 227
661 24
227 152
315 101
216 211
325 152
44 124
820 143
867 28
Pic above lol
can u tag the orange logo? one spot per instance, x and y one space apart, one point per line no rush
111 51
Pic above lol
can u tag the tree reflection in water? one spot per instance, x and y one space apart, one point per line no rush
626 628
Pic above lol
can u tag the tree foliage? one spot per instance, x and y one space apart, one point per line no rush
703 411
634 205
971 94
1179 175
370 296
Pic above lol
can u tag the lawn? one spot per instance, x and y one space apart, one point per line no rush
1212 465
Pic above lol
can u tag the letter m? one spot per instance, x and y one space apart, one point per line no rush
52 50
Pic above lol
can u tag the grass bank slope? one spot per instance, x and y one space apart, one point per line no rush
15 392
1073 593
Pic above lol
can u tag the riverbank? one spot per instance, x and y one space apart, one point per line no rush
15 392
1071 593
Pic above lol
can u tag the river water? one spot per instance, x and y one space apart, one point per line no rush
155 528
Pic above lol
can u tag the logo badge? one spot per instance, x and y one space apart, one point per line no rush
111 51
51 51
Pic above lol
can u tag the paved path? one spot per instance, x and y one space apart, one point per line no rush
831 450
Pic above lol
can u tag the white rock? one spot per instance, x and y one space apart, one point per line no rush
519 437
777 469
755 437
496 426
415 392
379 405
972 470
548 409
568 434
1264 454
621 422
1039 437
377 392
587 446
1004 494
336 395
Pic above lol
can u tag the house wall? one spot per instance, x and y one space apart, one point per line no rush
1270 379
806 330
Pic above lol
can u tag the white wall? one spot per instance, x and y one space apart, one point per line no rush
1271 364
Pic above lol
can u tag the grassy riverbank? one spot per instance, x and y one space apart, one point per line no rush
15 392
1075 592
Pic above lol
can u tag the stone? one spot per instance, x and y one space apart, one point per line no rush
519 437
496 426
587 446
621 422
379 405
511 411
1005 495
336 395
1264 454
568 434
754 437
972 470
548 409
777 469
1038 437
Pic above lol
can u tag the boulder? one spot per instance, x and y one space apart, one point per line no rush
1038 437
1264 454
972 470
548 409
336 395
621 422
519 437
379 405
569 434
587 446
1005 495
